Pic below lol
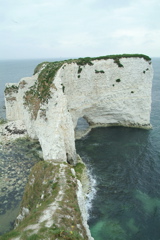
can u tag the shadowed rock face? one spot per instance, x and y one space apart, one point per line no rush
104 92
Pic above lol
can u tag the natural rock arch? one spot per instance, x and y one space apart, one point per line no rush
111 90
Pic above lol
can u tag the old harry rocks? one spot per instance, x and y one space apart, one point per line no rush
105 91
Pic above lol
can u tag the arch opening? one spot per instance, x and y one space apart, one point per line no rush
82 127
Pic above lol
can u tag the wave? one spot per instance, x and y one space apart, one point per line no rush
92 191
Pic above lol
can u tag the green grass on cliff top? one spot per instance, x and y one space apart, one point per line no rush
87 60
39 93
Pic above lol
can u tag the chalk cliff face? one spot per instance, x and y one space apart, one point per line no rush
107 94
103 91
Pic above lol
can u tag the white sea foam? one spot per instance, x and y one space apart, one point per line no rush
92 191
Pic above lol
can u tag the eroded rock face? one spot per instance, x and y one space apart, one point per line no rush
103 92
108 94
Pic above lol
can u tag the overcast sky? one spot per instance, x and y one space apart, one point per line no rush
78 28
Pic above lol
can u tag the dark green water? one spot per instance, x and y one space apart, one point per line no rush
127 203
126 165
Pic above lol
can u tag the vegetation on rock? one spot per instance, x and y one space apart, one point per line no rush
3 121
40 92
101 71
11 89
48 187
118 80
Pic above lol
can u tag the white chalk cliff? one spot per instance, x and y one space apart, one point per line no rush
103 91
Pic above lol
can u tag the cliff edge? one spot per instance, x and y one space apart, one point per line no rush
108 90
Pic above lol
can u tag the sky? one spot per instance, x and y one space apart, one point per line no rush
32 29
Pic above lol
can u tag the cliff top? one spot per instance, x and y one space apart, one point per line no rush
88 60
40 91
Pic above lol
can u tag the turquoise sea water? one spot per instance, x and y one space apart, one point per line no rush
125 163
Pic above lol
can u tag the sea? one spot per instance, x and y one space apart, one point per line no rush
124 163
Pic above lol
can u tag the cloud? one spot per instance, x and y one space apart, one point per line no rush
78 28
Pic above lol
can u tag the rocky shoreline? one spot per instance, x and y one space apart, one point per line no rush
16 161
12 131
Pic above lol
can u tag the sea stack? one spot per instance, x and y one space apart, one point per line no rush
108 90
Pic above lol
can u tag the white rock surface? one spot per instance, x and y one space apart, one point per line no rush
12 131
113 95
102 100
